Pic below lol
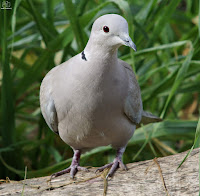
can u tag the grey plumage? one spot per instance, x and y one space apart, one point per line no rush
94 99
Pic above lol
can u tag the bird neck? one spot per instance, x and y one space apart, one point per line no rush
99 51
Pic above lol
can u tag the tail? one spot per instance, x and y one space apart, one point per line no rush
148 117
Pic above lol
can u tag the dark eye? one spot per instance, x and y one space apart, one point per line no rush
105 29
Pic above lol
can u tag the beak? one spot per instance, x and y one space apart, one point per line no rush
128 42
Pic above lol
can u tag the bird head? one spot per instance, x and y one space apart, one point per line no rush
111 31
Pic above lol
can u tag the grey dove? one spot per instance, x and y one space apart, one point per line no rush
94 99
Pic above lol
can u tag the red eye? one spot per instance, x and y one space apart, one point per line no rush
105 29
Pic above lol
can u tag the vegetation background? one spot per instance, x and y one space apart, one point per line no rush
37 35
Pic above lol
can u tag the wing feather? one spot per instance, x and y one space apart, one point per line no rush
133 104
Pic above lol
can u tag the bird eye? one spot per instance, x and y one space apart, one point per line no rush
105 29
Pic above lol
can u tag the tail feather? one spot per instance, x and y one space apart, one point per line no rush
148 117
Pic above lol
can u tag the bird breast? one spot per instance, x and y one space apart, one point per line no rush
91 113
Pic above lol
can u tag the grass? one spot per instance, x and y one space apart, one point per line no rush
38 35
24 182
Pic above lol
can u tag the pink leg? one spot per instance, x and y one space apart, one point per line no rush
74 167
115 164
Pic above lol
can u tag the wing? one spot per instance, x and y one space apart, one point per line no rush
133 104
47 105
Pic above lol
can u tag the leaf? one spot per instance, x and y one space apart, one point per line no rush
76 27
162 47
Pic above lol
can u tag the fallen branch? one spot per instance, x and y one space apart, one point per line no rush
154 177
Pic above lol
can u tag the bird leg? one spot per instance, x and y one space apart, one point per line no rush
117 162
74 167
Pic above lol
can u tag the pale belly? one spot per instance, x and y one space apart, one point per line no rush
85 132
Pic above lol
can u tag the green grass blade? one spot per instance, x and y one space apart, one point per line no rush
76 27
87 17
168 128
46 29
162 47
199 19
163 19
19 64
23 43
7 99
24 181
144 12
6 149
62 40
49 6
148 138
195 144
13 22
165 84
8 133
179 78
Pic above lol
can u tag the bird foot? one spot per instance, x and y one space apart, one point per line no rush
73 169
114 165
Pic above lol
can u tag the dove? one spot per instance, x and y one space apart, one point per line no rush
94 99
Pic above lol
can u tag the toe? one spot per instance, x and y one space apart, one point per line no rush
100 169
73 172
113 169
122 165
60 173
